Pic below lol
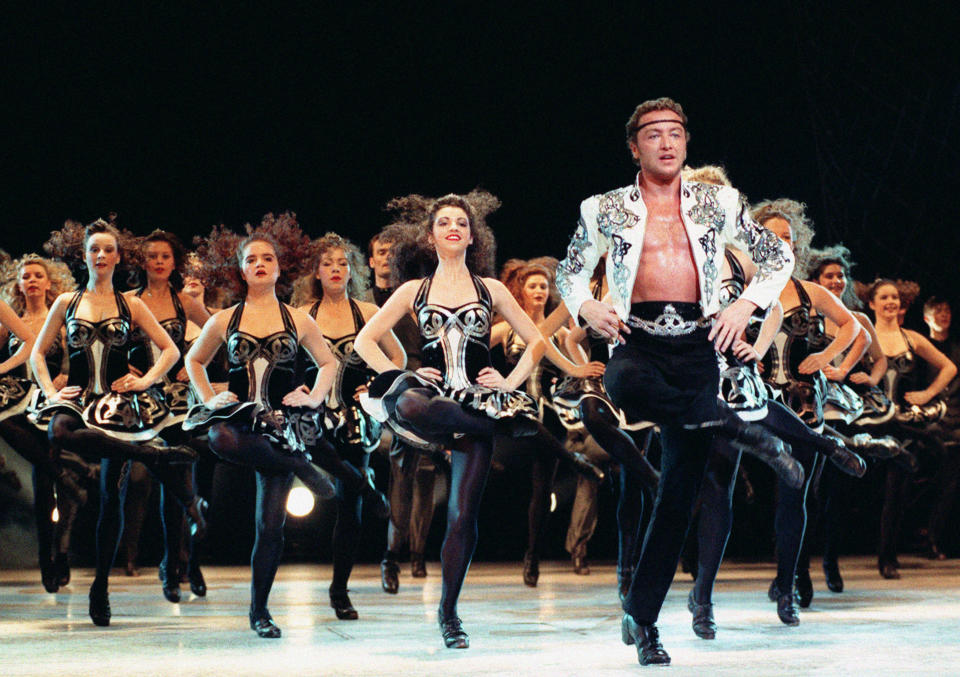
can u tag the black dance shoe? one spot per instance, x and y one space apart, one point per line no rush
932 551
99 605
453 635
647 638
377 499
580 566
787 608
61 569
198 586
340 602
390 576
48 576
262 624
847 461
889 571
531 570
418 565
170 583
804 588
196 518
757 441
831 571
704 626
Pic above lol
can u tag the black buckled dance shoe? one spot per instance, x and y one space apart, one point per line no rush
99 605
804 588
847 461
390 576
169 582
831 571
787 609
531 570
198 586
340 602
262 624
48 576
647 638
453 634
703 624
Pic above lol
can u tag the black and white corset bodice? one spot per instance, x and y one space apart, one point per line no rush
97 350
144 352
262 369
732 287
903 374
543 373
801 334
352 371
54 357
456 341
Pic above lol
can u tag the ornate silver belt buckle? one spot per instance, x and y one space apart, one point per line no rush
668 323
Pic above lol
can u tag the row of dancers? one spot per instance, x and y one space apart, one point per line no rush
306 389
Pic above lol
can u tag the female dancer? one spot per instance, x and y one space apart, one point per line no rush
37 283
915 405
163 262
339 278
531 284
105 411
264 420
794 367
456 400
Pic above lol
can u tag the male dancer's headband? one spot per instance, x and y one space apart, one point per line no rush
637 128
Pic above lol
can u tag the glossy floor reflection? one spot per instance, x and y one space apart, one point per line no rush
568 625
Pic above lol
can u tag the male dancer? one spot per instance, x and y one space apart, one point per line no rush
412 474
665 239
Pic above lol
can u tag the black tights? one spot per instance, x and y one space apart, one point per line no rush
431 416
604 426
716 516
469 467
348 465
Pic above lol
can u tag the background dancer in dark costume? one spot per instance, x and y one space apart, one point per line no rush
916 407
36 282
665 241
456 400
105 411
532 286
337 281
265 420
162 261
412 474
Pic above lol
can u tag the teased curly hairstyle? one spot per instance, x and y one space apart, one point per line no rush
69 245
414 255
516 272
838 254
909 291
61 280
179 255
308 288
714 174
221 253
663 103
794 213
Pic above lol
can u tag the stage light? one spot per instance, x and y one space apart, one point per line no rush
300 502
553 501
55 516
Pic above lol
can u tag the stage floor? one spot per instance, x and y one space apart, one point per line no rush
568 625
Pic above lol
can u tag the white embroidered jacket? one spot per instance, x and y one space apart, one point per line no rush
713 216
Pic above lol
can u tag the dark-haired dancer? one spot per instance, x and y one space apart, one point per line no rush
105 411
265 420
456 400
338 278
665 240
37 283
163 262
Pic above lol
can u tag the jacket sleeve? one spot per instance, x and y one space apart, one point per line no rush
772 256
586 247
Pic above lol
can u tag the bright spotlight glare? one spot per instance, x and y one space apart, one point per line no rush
55 515
553 501
300 502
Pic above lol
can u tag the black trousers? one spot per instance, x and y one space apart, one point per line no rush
672 381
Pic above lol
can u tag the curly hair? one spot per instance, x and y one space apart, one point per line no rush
795 214
308 288
838 254
179 255
221 253
61 280
414 255
869 291
663 103
516 272
909 291
714 174
70 242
